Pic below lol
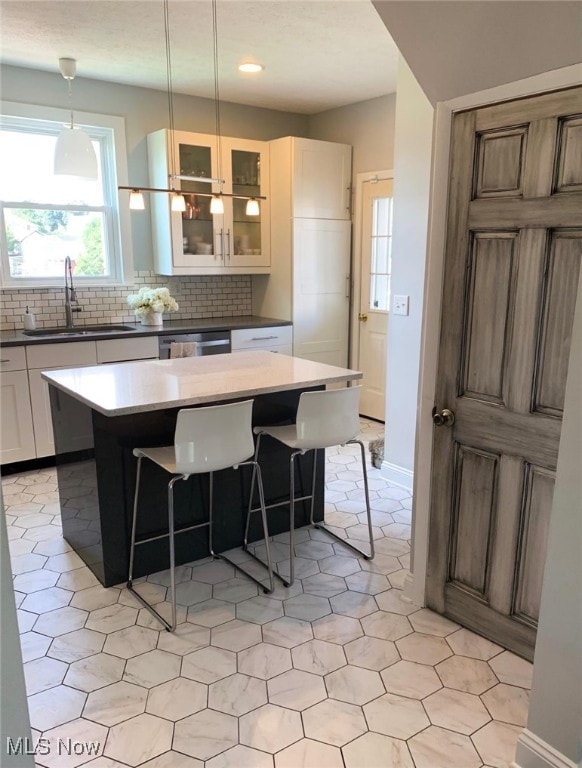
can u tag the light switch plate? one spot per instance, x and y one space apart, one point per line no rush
400 305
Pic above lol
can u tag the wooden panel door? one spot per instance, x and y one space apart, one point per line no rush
513 255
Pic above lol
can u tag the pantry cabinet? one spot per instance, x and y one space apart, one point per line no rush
310 280
196 241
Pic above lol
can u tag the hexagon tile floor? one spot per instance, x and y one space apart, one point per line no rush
336 672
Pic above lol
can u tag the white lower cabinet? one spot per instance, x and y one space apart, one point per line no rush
46 357
17 442
271 339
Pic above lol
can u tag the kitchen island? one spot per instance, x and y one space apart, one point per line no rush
126 405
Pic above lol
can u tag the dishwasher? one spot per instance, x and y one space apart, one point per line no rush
206 343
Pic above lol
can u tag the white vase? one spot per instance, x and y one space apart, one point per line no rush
152 318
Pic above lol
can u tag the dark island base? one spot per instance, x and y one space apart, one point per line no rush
97 493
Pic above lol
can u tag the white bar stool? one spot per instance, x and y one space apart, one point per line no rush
206 439
324 419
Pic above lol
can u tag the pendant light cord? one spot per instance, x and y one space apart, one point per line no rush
70 84
216 89
169 83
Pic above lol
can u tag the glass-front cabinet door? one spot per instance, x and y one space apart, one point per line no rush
195 231
195 241
246 167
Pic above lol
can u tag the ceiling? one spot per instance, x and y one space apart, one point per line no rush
317 54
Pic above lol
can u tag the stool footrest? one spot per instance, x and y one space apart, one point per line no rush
176 532
344 541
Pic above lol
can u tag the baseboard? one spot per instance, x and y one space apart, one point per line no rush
397 475
408 589
533 752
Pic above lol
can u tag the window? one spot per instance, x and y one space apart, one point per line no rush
45 218
380 262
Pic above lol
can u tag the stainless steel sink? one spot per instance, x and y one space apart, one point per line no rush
83 330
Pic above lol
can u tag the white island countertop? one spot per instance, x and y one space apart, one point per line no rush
150 385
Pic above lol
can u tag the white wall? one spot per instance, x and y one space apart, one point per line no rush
555 711
146 110
412 168
368 126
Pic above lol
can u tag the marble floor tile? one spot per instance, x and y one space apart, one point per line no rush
259 610
241 757
465 674
55 706
287 632
371 653
209 665
396 716
456 711
406 678
43 673
354 685
318 657
375 749
95 672
83 732
236 635
211 613
496 743
438 748
309 754
152 668
294 678
510 669
60 621
334 722
264 661
205 734
132 641
177 698
270 728
236 695
296 690
337 629
139 739
115 703
507 703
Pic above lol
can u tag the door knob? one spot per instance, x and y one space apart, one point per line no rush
446 418
363 317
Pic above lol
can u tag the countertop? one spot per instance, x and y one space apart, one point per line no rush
16 338
150 385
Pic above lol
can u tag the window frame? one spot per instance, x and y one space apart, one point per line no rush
109 130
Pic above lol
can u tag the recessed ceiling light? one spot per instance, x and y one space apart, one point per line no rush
249 66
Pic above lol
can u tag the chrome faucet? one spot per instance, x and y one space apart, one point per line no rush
71 303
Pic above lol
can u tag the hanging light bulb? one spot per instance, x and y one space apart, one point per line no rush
252 208
136 201
216 205
74 152
178 203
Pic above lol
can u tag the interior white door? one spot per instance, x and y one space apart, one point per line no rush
376 206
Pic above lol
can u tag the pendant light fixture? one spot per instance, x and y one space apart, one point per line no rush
74 152
178 201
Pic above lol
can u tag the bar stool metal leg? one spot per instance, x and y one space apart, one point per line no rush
256 476
170 627
323 527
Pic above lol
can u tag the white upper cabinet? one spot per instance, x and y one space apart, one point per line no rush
322 173
196 241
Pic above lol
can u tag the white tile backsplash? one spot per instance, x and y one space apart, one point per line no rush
197 297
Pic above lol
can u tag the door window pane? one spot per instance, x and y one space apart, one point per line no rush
381 247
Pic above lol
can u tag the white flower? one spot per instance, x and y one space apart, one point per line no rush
152 300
